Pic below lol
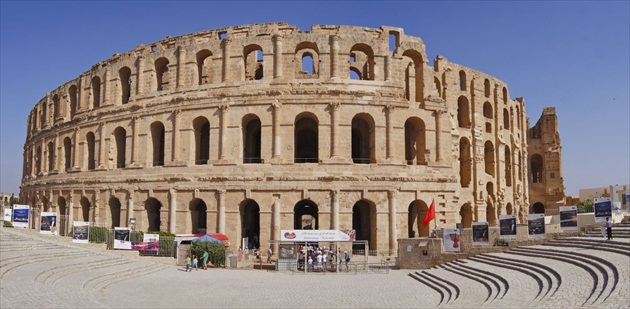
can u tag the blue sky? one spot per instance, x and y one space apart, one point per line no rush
571 55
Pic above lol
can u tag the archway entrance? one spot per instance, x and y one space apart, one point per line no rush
153 207
114 208
417 211
466 215
363 222
538 208
305 216
250 223
85 207
198 217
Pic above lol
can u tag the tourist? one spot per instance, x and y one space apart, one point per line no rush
205 260
325 259
346 257
608 229
195 262
187 263
310 264
269 254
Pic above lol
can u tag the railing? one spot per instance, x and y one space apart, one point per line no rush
336 268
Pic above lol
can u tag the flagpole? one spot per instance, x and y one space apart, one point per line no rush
435 219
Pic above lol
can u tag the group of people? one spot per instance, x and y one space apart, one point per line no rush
322 259
194 262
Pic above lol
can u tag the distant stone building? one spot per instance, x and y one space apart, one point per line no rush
546 185
251 129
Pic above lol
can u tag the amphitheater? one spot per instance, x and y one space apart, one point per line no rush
247 130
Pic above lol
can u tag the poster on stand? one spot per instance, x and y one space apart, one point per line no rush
451 239
122 238
568 218
20 215
480 233
48 223
7 214
603 209
151 242
617 207
536 225
507 226
81 232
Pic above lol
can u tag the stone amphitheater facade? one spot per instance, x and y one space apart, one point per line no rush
248 130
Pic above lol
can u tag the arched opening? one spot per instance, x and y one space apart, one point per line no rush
466 215
509 209
45 204
538 208
364 224
201 126
250 223
307 60
465 163
505 95
489 157
153 208
162 74
363 139
306 215
355 74
518 118
157 139
125 84
56 107
203 66
520 170
67 153
85 209
198 216
487 113
415 141
38 160
96 92
252 139
536 168
506 119
114 209
462 80
91 158
62 222
120 135
486 88
72 92
306 139
253 58
44 115
508 167
413 75
463 112
51 157
307 64
438 86
491 214
416 212
363 61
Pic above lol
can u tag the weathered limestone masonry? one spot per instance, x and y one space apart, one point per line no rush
244 130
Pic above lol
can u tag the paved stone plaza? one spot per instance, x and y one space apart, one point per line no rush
50 271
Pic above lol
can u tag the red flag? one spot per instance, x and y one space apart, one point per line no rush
430 215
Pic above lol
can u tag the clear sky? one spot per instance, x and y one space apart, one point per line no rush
574 55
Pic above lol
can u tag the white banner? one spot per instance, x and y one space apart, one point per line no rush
451 239
7 214
121 238
480 233
316 235
568 218
81 232
20 215
48 223
536 225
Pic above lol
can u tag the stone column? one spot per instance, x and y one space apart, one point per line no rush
334 209
275 234
140 76
94 206
393 233
175 152
438 142
70 213
80 94
134 143
75 149
389 109
221 212
181 61
129 206
101 146
334 56
172 224
105 92
277 140
388 74
277 56
57 148
43 160
223 139
334 128
225 77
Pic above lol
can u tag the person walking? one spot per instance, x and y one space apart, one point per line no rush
205 260
269 254
346 257
195 262
187 263
608 228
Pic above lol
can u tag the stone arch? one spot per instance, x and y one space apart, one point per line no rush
72 93
363 60
51 156
463 112
363 139
489 158
250 222
505 95
204 64
162 74
509 210
157 142
120 136
306 138
252 139
38 160
438 86
416 212
306 215
465 162
364 223
85 208
44 118
91 152
462 80
125 84
491 212
486 88
114 210
253 62
56 107
466 215
508 166
306 60
153 208
96 92
414 80
506 119
67 153
63 216
201 128
198 216
538 208
537 168
415 141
